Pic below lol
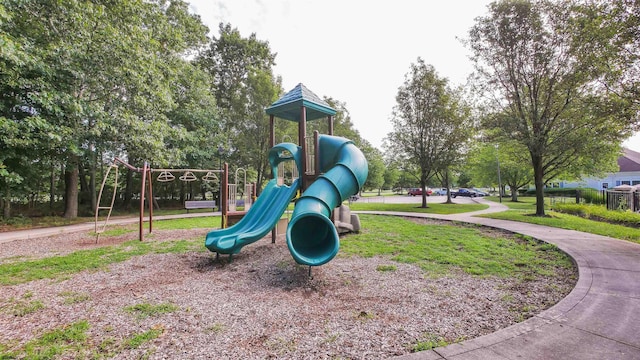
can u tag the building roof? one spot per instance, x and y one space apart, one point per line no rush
288 106
629 161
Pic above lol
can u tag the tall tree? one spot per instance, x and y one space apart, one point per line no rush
508 159
375 178
343 126
195 122
431 123
391 174
262 90
244 85
531 70
607 34
107 68
26 98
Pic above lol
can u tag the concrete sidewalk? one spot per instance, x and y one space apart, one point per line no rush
89 226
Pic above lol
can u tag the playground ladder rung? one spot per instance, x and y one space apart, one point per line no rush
104 207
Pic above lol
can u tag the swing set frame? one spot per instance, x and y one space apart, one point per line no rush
166 176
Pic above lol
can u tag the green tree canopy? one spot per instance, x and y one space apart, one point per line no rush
244 85
101 74
509 157
431 123
542 91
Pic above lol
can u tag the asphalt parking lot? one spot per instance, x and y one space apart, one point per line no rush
407 199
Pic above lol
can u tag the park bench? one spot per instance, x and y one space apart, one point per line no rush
199 204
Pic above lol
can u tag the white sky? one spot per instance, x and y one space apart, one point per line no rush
356 52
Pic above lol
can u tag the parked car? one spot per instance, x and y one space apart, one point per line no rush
441 191
418 191
480 192
464 192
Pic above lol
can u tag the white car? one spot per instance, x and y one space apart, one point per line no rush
441 191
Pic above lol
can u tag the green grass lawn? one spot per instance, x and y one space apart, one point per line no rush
524 211
205 222
431 209
442 249
57 267
375 193
437 249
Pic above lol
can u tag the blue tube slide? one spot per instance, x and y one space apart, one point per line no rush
312 237
265 213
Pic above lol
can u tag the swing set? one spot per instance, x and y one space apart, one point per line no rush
230 198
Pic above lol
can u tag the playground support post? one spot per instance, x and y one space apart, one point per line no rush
141 222
146 170
150 202
499 179
223 195
272 131
302 133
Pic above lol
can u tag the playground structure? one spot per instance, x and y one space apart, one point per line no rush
329 169
230 198
325 169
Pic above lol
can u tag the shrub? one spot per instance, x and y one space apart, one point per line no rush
598 212
592 196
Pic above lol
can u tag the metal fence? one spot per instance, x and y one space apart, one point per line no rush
623 200
578 196
613 199
591 196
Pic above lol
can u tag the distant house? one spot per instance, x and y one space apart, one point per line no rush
629 174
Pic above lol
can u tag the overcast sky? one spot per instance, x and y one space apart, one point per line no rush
357 52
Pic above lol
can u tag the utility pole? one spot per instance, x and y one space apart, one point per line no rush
499 180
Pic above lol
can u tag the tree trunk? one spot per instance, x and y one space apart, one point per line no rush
36 195
260 177
92 182
52 188
203 191
71 189
514 194
445 183
539 183
84 186
423 186
61 182
6 208
128 190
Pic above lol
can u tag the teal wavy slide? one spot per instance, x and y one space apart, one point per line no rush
264 214
312 237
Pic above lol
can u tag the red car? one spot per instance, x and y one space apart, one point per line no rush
418 191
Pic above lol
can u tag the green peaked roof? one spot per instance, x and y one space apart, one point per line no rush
288 106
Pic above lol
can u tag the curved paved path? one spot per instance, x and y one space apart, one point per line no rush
88 226
599 319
